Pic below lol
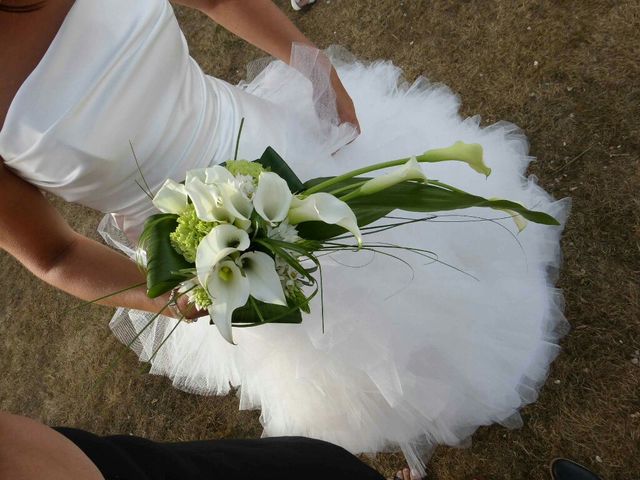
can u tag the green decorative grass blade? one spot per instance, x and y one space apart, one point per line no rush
279 248
163 262
109 295
274 162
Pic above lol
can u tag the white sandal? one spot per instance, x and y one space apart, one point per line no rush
298 5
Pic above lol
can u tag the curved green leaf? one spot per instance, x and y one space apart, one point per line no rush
274 162
270 312
420 197
411 197
163 262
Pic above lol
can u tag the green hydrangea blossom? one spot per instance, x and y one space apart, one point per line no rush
245 167
200 298
190 231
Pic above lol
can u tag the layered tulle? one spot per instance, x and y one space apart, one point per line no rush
416 350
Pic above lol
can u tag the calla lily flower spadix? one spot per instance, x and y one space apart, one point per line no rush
242 241
220 243
229 290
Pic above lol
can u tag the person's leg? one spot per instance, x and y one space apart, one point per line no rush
32 451
278 458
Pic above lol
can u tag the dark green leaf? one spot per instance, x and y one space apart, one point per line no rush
322 231
350 181
419 197
412 197
163 262
274 162
271 314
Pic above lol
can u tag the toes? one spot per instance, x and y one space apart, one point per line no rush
406 474
398 476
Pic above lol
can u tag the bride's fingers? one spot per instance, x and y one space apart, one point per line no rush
182 309
347 113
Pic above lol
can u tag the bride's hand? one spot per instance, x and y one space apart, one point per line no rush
344 104
264 25
181 308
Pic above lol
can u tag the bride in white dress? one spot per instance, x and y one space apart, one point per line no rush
408 360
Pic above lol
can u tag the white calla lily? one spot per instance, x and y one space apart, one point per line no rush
236 202
218 174
326 208
264 281
196 173
409 171
469 153
171 198
210 175
219 243
229 290
208 202
519 220
272 198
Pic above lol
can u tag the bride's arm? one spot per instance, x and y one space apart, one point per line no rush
262 24
34 233
259 22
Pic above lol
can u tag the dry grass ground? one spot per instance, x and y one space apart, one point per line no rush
567 72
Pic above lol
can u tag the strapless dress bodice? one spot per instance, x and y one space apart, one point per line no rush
117 77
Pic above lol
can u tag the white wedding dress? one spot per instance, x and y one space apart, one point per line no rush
408 359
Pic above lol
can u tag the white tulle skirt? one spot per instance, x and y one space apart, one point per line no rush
411 356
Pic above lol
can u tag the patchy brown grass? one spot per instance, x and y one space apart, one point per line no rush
580 107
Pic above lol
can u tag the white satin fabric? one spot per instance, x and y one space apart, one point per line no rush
118 72
410 357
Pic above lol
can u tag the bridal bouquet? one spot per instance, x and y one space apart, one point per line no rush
241 240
